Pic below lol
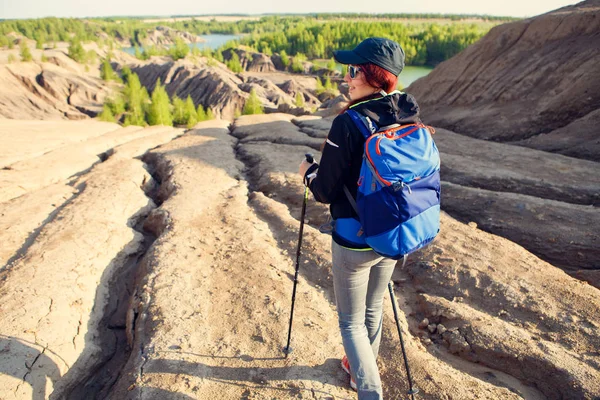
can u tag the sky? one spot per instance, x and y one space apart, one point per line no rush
99 8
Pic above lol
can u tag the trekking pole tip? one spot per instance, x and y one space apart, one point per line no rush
287 350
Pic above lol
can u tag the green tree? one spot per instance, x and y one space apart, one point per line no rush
209 114
117 105
201 114
159 111
234 63
320 89
76 51
331 65
299 100
190 112
107 114
253 105
106 71
179 50
330 87
207 52
25 53
179 117
297 65
136 98
344 69
285 60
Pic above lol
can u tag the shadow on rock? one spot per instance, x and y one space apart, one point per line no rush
38 366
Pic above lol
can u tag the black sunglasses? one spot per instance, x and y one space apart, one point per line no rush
353 71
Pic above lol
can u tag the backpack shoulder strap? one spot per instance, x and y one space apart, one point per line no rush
351 199
364 124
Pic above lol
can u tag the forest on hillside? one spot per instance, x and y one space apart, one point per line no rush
427 39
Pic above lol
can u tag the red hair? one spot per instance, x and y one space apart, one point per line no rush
377 77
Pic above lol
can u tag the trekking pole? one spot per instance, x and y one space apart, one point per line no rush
287 349
412 390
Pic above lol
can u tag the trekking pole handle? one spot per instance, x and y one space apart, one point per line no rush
309 158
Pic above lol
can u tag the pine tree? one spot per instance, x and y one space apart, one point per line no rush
207 52
234 63
190 112
253 105
76 51
329 87
320 89
209 114
299 100
179 50
285 60
25 53
136 98
201 115
179 117
117 105
159 111
344 69
106 71
331 65
107 114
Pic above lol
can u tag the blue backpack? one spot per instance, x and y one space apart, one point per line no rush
398 198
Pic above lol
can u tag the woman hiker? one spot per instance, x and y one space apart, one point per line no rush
360 276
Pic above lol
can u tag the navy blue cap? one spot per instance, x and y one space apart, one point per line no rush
380 51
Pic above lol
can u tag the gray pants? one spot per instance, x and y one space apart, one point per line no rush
360 279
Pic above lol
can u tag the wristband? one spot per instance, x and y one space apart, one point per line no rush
310 173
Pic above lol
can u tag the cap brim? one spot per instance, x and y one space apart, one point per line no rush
348 57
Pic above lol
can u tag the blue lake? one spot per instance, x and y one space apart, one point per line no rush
408 75
212 41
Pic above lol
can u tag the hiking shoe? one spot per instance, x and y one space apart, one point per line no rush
346 367
353 384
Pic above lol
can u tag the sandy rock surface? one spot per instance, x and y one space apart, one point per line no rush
170 277
66 161
532 79
216 87
30 139
56 89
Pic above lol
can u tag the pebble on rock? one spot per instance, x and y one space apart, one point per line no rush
432 328
423 324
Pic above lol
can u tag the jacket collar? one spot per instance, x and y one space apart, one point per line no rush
395 108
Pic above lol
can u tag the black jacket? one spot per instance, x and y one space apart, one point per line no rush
342 155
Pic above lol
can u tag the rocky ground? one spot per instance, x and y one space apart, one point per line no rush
532 82
166 273
60 88
157 263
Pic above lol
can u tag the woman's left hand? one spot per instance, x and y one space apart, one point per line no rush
304 165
